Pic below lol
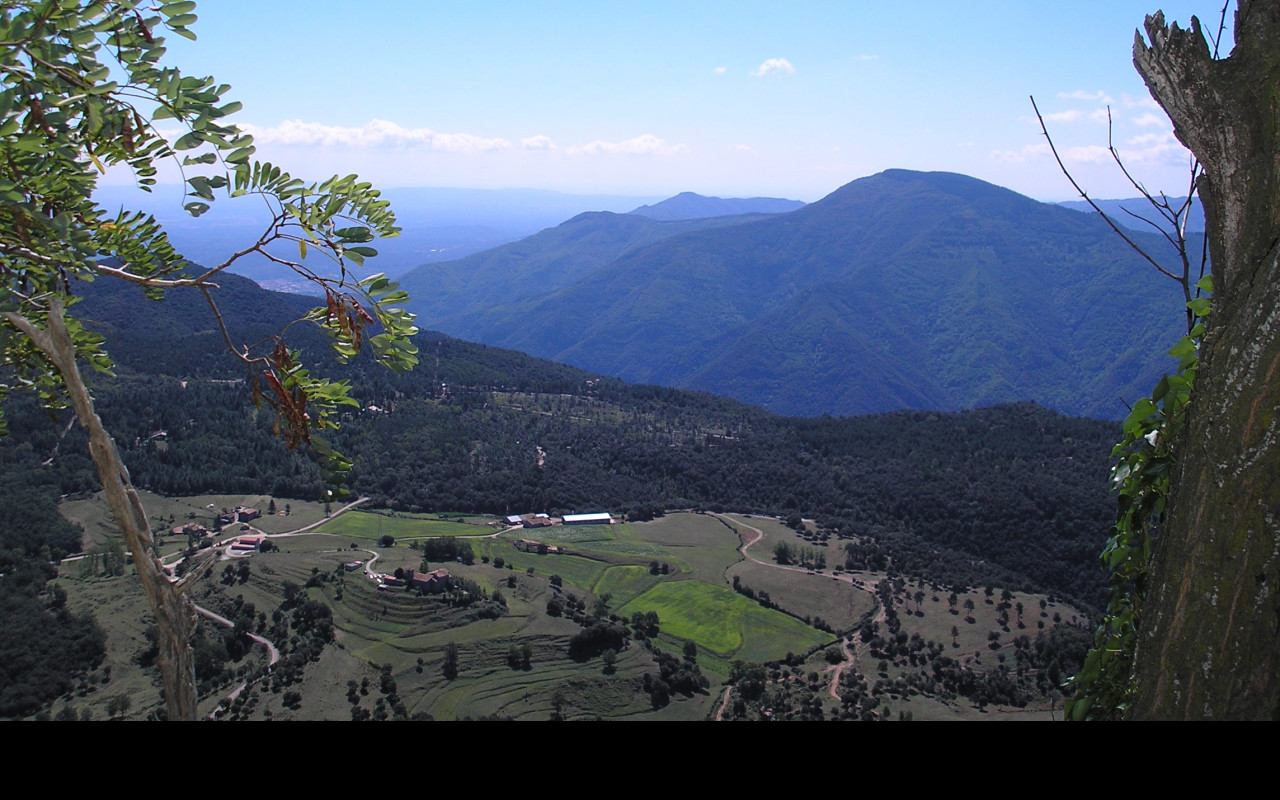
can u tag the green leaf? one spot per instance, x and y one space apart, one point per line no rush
1186 346
188 141
1141 410
1162 389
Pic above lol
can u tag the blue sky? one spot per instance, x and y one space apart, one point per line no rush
732 99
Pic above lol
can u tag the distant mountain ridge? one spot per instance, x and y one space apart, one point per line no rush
437 224
688 205
900 290
1137 213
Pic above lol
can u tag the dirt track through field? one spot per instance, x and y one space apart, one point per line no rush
852 650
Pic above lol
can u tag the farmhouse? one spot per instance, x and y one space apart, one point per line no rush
433 582
245 544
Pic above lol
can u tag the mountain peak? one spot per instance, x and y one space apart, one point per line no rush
691 205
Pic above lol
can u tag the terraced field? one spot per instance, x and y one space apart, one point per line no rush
392 644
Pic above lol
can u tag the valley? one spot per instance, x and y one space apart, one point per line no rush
514 641
918 446
862 522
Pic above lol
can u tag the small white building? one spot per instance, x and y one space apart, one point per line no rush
601 518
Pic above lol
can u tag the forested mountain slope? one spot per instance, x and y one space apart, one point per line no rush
549 260
904 289
1016 495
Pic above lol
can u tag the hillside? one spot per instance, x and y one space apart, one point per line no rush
551 259
904 289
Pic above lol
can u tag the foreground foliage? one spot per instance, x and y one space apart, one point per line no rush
81 90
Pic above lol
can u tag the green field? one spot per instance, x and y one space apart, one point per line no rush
723 622
838 602
365 525
624 583
700 545
571 534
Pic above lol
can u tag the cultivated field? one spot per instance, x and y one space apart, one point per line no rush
392 648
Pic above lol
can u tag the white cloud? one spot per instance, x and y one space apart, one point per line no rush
1151 120
1081 94
376 133
538 143
1144 101
1092 154
1154 148
774 65
1028 153
1087 154
720 70
1099 115
744 148
648 144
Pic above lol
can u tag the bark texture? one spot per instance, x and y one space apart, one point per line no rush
1209 640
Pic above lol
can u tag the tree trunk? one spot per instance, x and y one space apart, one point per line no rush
1209 638
175 616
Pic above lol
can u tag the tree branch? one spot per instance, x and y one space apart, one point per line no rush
1089 199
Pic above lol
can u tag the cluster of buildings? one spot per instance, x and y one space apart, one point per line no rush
190 529
241 514
433 582
544 521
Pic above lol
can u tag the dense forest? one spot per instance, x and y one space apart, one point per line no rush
45 650
1013 495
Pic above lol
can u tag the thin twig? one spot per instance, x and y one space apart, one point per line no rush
1222 28
1090 201
222 326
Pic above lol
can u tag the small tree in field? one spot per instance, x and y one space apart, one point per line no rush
82 89
450 667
